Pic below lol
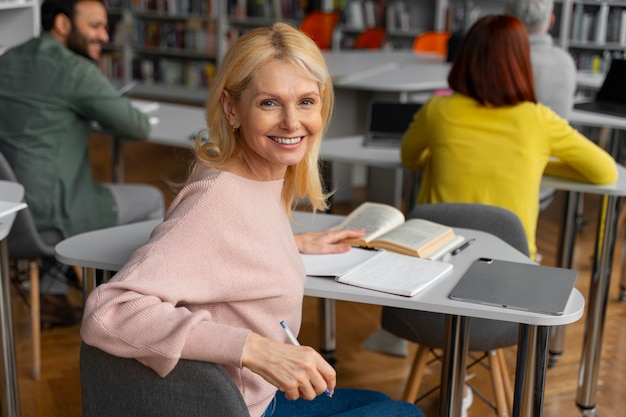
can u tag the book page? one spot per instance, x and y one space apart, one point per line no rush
375 218
415 233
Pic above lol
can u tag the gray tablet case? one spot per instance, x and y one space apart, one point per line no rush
519 286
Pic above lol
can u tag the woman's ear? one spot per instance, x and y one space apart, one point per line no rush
229 110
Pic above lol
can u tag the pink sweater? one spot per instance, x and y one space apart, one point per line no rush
223 263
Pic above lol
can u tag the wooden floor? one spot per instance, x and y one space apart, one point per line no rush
57 394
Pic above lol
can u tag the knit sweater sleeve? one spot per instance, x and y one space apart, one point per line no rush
222 264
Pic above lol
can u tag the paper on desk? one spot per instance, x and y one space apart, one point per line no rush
8 207
337 264
145 106
446 249
378 270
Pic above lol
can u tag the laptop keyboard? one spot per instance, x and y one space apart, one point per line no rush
614 109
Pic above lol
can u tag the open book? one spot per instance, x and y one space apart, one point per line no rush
377 270
386 228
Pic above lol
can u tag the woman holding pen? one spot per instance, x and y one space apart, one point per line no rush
222 271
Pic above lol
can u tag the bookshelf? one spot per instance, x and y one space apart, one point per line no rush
19 21
403 20
174 46
593 31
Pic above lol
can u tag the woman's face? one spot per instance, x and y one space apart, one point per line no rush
278 115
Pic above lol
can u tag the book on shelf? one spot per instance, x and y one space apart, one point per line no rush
386 228
601 24
377 270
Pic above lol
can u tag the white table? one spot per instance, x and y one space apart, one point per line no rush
600 276
9 399
109 249
351 150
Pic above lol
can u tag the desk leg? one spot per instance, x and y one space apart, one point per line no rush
89 282
541 366
596 306
117 160
11 400
453 368
566 251
530 371
328 326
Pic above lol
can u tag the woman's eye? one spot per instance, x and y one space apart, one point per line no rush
308 102
267 103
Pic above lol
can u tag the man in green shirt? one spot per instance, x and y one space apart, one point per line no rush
51 91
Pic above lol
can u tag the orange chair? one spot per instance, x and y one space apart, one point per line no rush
371 38
319 26
436 42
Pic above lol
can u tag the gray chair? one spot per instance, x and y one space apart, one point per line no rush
489 336
25 242
121 387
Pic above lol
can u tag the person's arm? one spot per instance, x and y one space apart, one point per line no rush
94 98
414 150
328 241
575 156
298 371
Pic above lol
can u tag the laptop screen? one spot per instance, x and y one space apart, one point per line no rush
614 85
387 121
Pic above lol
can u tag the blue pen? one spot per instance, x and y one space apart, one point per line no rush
294 341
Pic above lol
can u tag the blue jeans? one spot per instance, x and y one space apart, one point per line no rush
344 403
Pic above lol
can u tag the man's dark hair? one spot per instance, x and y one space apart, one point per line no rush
51 8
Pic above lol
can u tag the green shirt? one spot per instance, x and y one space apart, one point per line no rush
49 97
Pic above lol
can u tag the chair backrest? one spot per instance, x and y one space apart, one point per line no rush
426 328
372 38
496 220
436 42
24 241
319 26
122 387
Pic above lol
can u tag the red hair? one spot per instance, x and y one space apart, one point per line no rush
493 65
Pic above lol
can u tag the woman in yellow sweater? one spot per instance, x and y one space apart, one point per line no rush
490 142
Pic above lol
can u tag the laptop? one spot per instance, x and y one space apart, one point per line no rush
387 121
518 286
611 98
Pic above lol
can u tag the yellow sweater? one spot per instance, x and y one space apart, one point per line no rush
477 154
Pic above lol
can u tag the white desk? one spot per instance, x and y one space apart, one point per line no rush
110 248
392 72
9 399
171 125
351 150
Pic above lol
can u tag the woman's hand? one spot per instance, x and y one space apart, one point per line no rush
328 241
298 371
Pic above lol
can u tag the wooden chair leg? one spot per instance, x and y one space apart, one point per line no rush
506 379
79 275
498 385
415 376
35 318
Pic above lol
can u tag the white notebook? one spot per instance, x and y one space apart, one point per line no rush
377 270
